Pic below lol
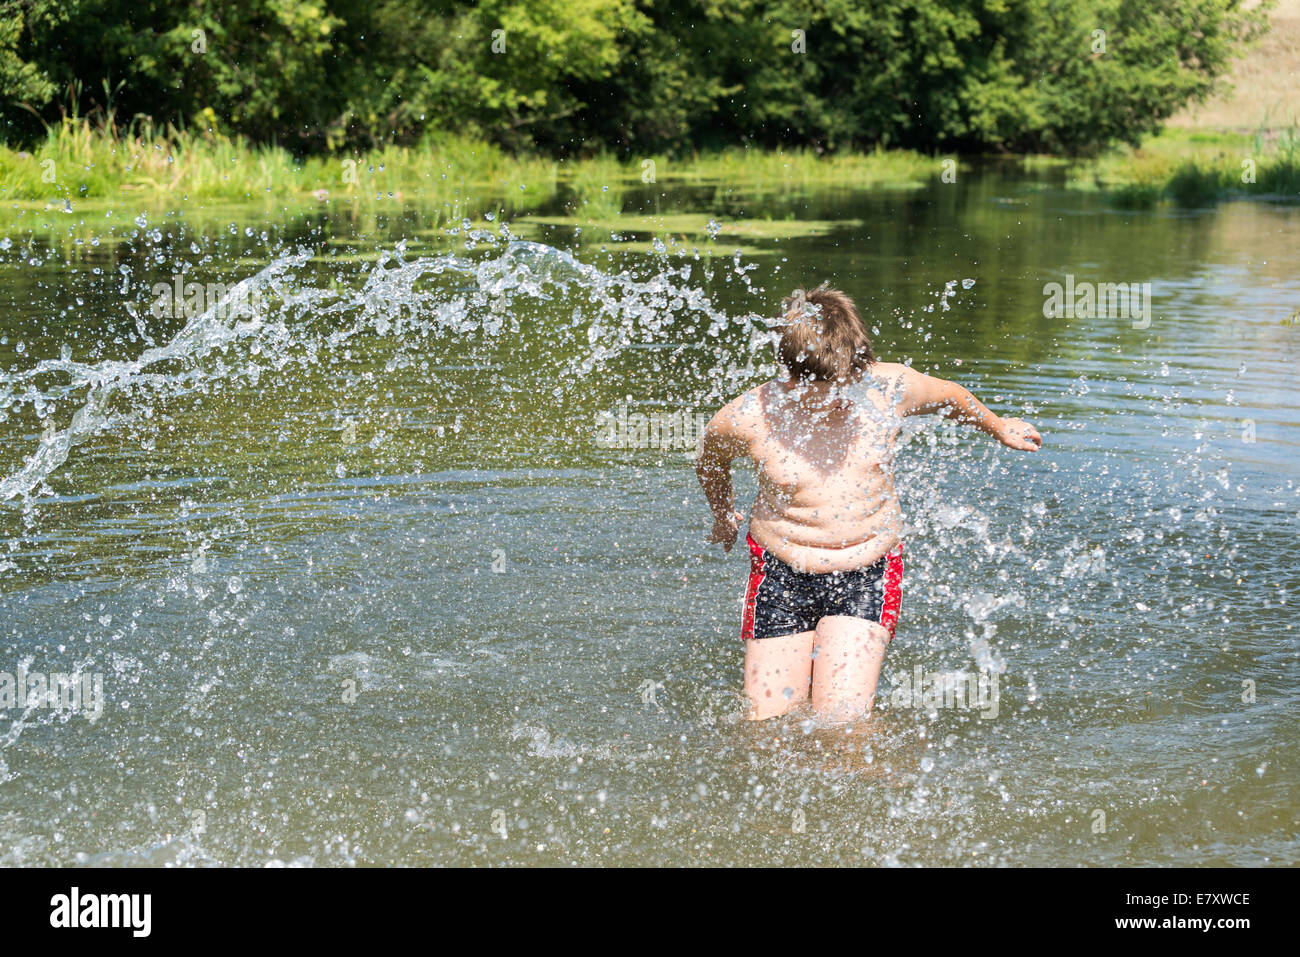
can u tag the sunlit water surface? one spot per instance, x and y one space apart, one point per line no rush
366 585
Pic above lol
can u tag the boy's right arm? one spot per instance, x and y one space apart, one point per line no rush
721 442
924 394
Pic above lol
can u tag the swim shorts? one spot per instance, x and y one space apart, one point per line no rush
781 601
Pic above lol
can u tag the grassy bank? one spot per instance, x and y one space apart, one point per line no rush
1198 168
81 166
79 162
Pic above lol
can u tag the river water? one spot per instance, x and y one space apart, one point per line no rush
395 554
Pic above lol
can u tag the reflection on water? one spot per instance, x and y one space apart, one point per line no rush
364 587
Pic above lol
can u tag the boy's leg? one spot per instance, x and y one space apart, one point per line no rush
848 653
777 673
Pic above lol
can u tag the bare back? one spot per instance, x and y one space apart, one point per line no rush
826 499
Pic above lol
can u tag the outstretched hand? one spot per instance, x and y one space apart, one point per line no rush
725 530
1019 434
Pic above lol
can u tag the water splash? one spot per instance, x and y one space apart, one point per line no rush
276 319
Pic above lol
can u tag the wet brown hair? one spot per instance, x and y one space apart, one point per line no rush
828 344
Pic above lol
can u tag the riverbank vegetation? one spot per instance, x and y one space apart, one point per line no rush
637 78
513 103
81 161
1197 168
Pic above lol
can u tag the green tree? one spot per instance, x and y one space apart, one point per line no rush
1070 76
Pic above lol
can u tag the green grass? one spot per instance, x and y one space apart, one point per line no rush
1198 168
114 172
87 184
759 169
145 166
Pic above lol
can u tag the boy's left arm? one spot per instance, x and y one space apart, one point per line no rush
923 394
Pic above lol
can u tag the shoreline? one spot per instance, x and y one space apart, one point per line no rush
79 166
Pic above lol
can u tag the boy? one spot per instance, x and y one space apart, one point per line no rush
826 556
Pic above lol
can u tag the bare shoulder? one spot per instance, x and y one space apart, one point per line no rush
908 389
893 378
738 421
903 375
893 373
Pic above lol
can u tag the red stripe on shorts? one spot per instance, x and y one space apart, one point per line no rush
751 590
893 590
